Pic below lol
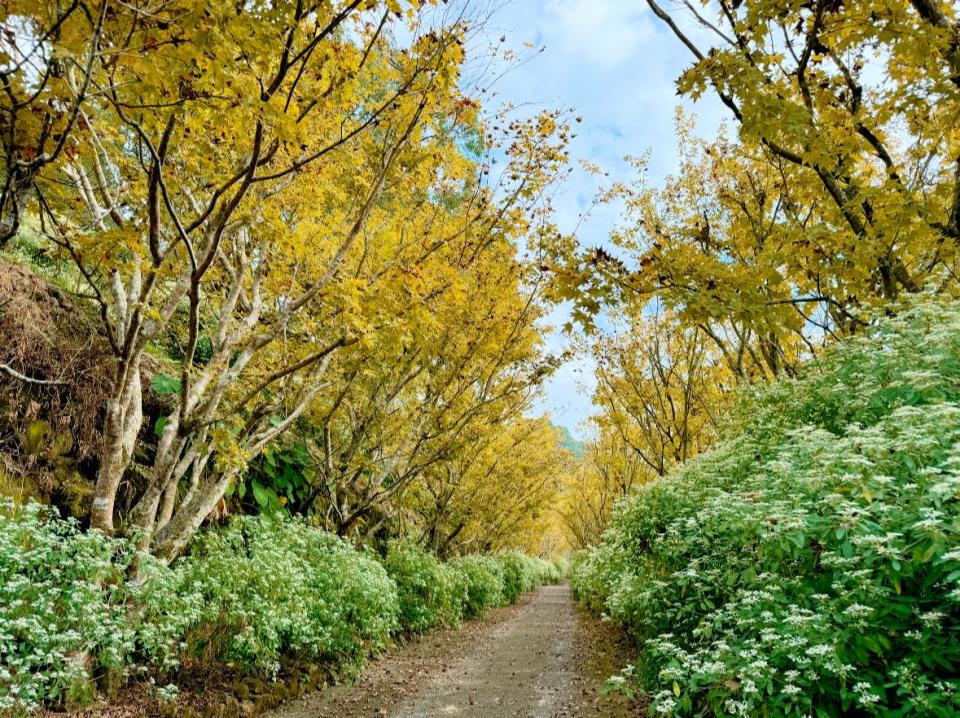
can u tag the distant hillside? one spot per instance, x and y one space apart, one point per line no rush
578 447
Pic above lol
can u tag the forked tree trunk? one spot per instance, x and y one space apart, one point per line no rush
170 540
162 485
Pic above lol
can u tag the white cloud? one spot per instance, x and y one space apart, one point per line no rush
602 35
616 65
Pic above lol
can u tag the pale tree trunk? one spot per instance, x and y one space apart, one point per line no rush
168 525
162 483
121 427
167 529
124 416
170 540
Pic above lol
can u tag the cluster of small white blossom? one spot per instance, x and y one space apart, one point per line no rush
57 604
262 590
813 556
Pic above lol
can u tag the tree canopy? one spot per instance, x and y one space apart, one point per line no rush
285 218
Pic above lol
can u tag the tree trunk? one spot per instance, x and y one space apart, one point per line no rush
170 541
163 478
121 427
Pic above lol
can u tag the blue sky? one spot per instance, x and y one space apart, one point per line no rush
615 63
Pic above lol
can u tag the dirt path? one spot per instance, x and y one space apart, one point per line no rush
541 658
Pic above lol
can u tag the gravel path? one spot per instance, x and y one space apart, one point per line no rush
542 658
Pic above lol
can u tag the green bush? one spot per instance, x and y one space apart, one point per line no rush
262 589
484 576
255 593
61 606
515 577
522 573
561 567
810 563
591 575
430 593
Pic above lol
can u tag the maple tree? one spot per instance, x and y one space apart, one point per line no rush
838 195
607 473
263 189
425 394
498 494
661 389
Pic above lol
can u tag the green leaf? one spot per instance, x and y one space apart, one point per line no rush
165 385
159 425
266 499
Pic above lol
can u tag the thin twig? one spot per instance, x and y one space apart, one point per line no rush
7 369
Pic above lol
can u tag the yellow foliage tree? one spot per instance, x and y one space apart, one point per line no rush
499 493
840 194
661 388
265 187
426 391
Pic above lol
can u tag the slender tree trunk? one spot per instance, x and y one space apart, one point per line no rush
169 502
170 541
123 421
163 478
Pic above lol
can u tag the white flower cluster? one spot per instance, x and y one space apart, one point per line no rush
812 558
57 603
266 589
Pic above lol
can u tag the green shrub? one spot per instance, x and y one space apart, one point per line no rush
522 573
459 584
561 567
810 563
430 593
262 589
514 583
591 575
61 606
256 592
484 576
253 593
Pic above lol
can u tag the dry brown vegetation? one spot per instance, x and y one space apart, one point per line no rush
53 372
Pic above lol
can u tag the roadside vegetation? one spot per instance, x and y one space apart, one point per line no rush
770 507
276 282
809 563
271 297
257 594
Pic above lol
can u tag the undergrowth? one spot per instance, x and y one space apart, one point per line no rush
255 594
809 564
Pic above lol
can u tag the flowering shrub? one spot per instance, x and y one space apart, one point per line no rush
810 563
522 573
430 593
561 567
61 606
254 593
484 578
592 572
263 589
